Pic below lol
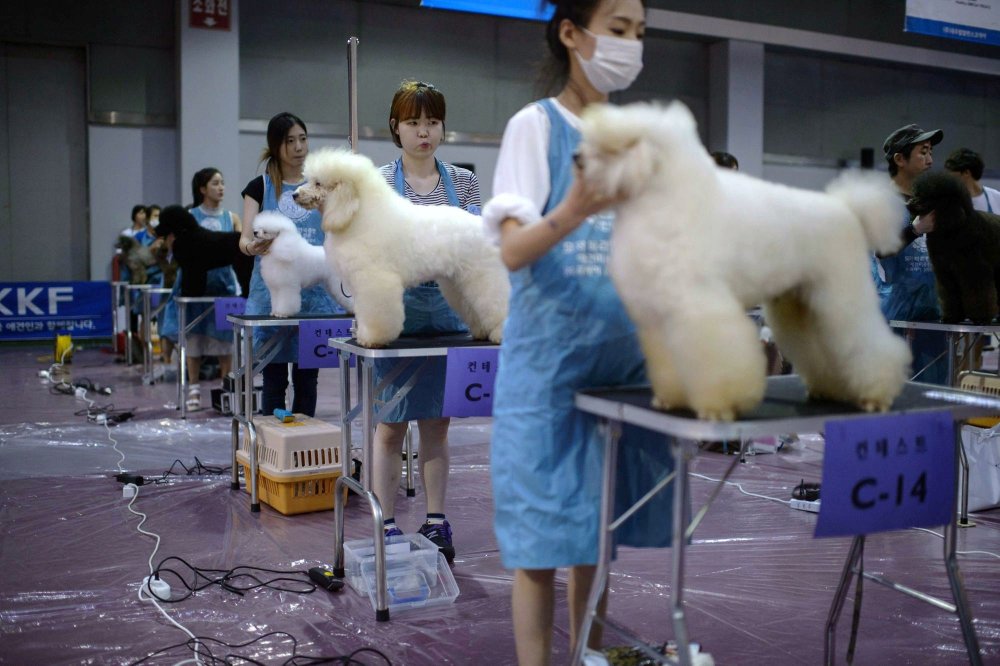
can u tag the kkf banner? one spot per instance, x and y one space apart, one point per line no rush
37 310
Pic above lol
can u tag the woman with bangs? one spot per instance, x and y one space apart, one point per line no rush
416 122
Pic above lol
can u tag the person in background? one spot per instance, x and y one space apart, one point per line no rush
566 330
905 280
416 120
725 160
205 340
968 165
138 225
287 147
152 216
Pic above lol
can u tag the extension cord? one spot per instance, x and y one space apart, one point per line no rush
157 588
80 392
805 505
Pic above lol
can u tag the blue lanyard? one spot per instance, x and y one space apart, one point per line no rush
449 187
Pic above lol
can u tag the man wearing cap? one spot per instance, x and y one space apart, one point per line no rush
906 278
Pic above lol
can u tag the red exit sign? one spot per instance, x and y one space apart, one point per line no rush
210 14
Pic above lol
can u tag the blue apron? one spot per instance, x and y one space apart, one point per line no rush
567 330
427 313
219 282
315 299
907 293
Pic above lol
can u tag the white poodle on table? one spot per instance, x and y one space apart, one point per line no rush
380 243
694 246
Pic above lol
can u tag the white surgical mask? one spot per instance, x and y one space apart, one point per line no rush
615 63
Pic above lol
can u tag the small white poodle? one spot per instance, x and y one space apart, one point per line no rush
292 264
380 243
694 246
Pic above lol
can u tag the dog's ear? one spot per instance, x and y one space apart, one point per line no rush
340 207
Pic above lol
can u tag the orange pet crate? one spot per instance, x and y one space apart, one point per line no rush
298 463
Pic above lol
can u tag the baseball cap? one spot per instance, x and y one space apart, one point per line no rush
908 136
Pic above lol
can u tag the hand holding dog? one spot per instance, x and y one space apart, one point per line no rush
258 246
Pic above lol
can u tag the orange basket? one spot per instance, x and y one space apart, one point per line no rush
981 383
298 463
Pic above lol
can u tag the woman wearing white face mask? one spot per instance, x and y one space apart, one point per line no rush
566 330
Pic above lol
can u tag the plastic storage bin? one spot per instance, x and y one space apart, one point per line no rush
416 573
298 463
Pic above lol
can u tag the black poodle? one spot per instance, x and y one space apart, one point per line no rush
964 248
198 250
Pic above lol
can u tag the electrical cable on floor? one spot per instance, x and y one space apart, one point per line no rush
142 587
199 468
294 660
740 487
957 552
225 578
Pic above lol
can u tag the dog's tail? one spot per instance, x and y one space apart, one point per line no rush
876 203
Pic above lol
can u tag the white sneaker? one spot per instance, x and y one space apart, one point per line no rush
193 402
594 658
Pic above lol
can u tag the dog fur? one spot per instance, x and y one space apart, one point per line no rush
198 250
380 243
291 264
964 248
139 258
694 246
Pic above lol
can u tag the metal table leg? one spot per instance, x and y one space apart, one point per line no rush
682 455
612 435
408 461
239 376
182 380
247 396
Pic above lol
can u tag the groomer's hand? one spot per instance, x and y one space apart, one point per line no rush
924 224
259 246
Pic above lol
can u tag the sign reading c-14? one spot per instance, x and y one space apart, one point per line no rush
969 20
36 310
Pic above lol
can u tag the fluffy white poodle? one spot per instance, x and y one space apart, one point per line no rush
292 264
694 246
380 244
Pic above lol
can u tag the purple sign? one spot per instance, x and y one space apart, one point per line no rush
225 306
468 382
314 336
887 473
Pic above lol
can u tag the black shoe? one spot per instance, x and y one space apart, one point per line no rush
440 535
806 491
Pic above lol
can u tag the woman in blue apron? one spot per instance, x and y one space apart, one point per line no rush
287 147
416 120
566 330
207 189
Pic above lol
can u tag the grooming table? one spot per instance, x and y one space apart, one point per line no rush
148 314
785 408
964 337
245 368
127 290
410 351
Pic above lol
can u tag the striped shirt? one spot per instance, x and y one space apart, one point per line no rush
466 187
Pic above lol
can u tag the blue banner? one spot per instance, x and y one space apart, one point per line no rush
522 9
37 310
968 21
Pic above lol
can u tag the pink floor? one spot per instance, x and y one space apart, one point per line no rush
758 584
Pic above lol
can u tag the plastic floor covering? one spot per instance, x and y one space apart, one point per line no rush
758 589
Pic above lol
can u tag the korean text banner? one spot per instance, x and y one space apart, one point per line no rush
37 310
969 20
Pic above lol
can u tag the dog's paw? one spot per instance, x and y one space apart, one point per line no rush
874 405
717 414
281 315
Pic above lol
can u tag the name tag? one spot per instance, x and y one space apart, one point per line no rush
225 306
468 382
314 336
887 473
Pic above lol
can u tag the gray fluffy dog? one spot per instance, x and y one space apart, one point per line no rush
964 248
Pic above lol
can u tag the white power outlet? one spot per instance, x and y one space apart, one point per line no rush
806 505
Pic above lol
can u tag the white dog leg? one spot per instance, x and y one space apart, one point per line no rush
718 358
667 390
480 297
286 302
378 308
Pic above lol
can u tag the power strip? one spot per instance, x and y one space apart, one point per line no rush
805 505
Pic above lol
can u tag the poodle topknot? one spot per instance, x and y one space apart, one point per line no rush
380 243
694 246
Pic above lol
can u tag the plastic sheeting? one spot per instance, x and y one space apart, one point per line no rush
758 586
